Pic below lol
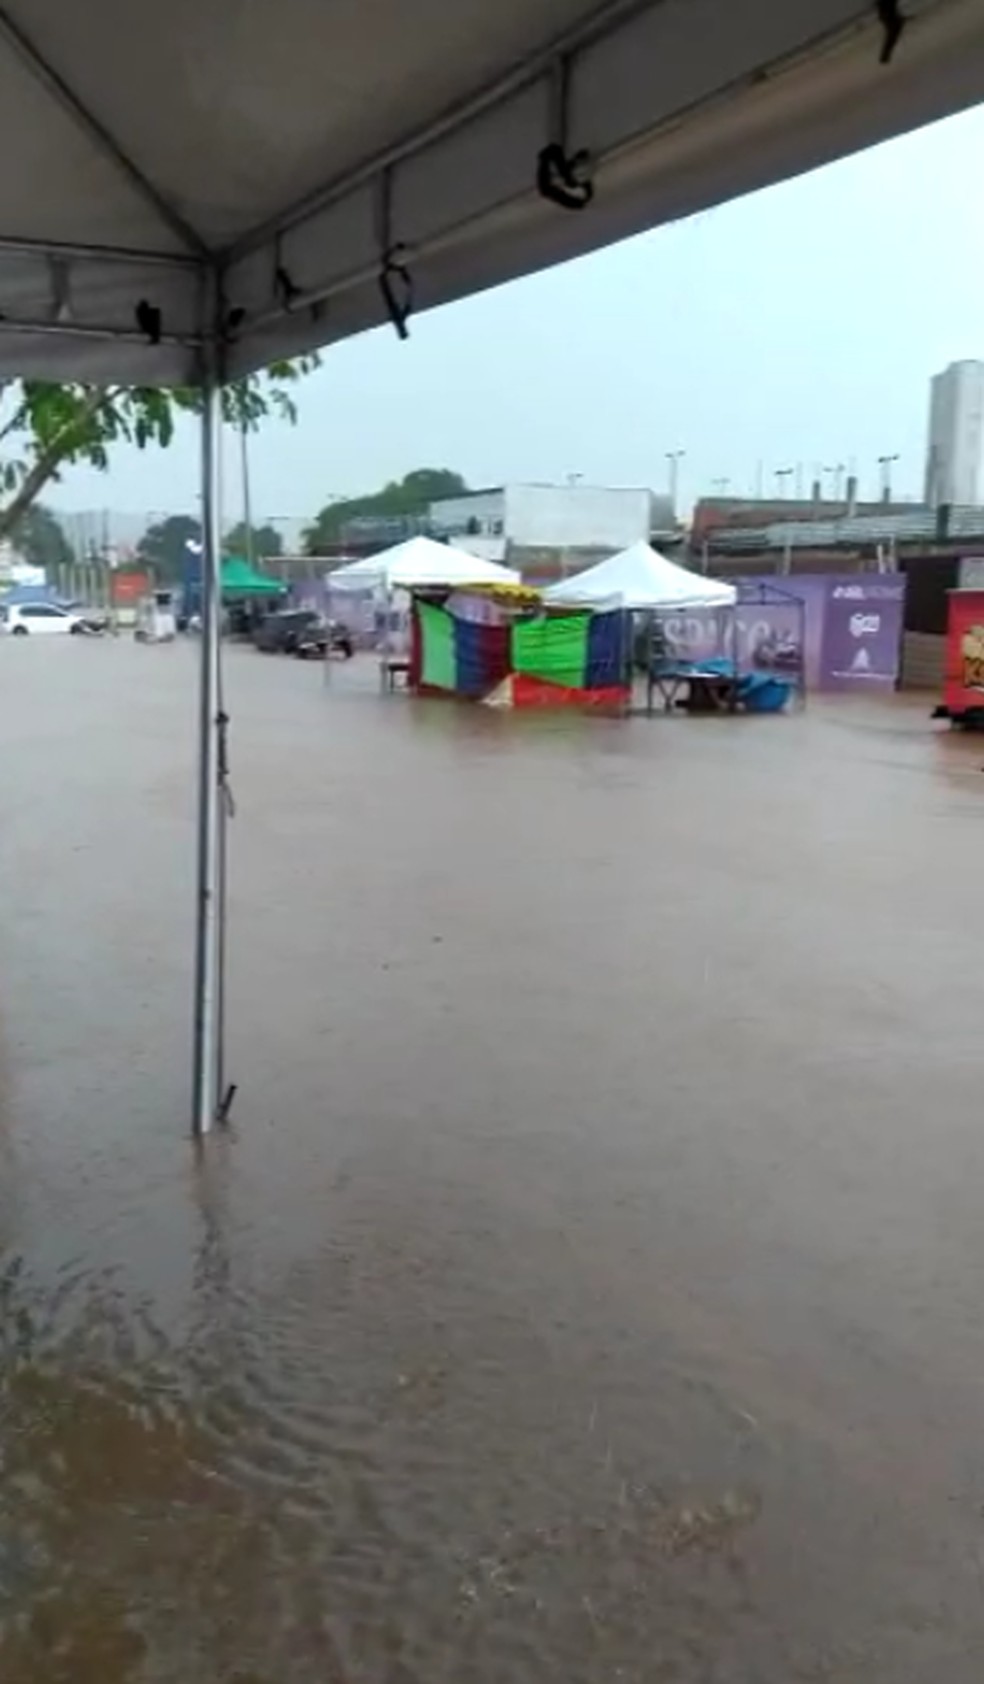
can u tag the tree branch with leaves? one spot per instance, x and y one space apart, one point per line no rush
45 428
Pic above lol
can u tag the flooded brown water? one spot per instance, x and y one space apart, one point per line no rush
590 1287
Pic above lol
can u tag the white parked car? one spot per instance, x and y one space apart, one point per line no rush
39 619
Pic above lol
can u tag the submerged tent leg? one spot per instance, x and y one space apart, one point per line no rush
209 910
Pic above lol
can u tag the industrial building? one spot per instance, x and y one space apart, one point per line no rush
549 531
936 548
956 435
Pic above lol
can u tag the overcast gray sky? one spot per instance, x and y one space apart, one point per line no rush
799 325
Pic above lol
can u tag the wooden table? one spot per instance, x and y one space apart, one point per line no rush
707 691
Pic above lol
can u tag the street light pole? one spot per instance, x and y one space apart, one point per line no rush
247 498
782 475
885 465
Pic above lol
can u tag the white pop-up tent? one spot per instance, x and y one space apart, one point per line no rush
640 578
192 190
420 563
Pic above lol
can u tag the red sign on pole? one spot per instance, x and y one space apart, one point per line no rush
126 589
964 678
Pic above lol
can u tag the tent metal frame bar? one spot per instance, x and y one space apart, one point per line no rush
208 1103
87 330
83 251
45 73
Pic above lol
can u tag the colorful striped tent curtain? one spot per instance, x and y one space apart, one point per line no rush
575 659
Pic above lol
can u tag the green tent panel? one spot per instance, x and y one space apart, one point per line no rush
554 649
240 579
438 667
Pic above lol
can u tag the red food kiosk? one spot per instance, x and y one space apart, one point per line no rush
963 677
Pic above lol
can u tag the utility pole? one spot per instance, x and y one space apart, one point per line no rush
885 465
674 458
247 501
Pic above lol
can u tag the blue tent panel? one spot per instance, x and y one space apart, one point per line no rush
608 647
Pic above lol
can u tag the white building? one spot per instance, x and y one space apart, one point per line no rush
956 435
550 528
476 518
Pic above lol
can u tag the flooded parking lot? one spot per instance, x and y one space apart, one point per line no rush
589 1288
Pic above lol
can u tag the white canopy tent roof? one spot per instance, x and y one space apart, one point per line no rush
640 578
190 191
420 562
288 172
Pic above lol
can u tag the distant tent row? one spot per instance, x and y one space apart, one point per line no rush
475 630
638 578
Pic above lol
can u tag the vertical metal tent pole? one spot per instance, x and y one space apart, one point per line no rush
206 1074
223 1094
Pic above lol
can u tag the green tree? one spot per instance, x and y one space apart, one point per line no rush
266 541
429 485
40 539
45 428
408 496
164 546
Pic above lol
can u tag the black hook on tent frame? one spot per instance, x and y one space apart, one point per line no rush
234 318
893 22
150 321
396 286
61 289
285 287
563 177
395 279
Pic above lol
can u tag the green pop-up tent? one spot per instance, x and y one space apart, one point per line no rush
240 579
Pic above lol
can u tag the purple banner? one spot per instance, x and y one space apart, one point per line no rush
839 631
862 632
804 610
766 636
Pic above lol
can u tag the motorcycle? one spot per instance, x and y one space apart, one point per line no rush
325 642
